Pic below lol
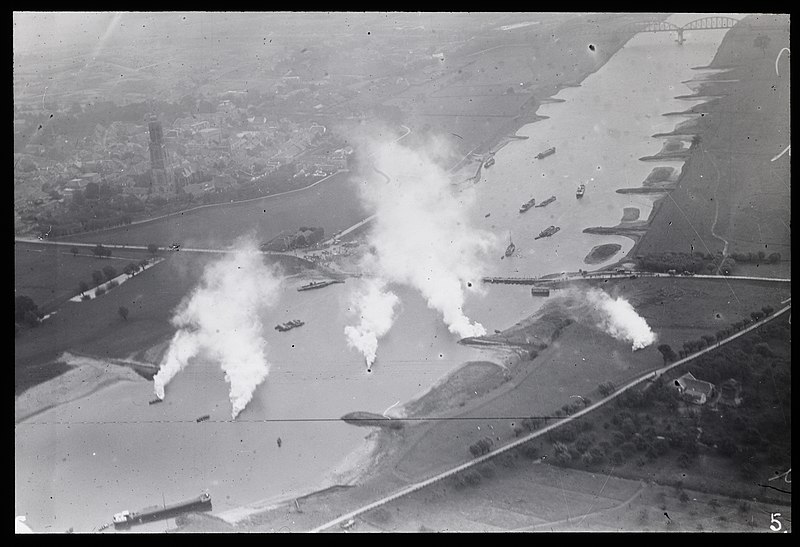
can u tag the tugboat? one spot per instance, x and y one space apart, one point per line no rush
548 152
294 323
547 202
527 205
547 232
488 163
510 248
581 190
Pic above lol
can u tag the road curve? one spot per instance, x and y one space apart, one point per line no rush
649 375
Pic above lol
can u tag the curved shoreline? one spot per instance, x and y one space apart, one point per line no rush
87 377
197 208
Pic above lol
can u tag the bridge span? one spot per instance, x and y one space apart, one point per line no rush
714 22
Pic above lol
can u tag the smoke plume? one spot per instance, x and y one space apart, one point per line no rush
220 319
617 317
421 235
376 306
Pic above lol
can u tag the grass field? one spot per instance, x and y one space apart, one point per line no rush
50 274
522 494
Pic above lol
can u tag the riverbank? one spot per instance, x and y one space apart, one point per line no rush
84 377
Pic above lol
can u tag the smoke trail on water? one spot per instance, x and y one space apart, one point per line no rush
376 306
617 317
221 319
421 234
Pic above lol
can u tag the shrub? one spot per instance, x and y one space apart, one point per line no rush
472 478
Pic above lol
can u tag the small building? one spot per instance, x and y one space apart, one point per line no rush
694 390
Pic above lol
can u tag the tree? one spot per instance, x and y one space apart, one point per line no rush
666 353
99 250
97 277
110 272
83 286
767 310
74 251
26 311
762 42
123 312
152 248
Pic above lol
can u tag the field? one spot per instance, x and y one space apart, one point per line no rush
50 274
523 494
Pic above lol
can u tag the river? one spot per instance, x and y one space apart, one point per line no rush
79 463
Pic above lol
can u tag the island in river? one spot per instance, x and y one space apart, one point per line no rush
601 253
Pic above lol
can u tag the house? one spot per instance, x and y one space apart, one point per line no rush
694 390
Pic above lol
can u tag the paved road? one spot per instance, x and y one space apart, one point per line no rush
71 244
647 376
613 275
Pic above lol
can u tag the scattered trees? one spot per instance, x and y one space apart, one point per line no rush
101 251
481 447
74 251
152 248
667 353
83 286
110 272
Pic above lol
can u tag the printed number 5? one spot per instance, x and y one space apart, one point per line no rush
776 524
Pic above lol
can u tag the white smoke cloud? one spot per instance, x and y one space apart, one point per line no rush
221 319
617 317
376 307
421 235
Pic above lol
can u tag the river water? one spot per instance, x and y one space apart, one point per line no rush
77 464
